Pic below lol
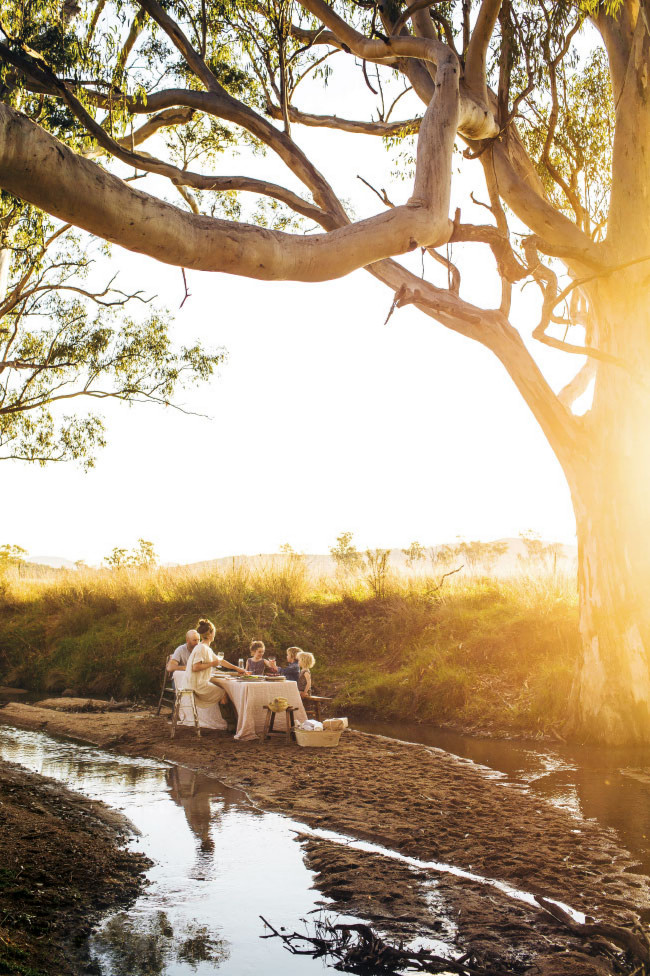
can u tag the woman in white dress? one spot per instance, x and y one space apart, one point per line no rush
198 667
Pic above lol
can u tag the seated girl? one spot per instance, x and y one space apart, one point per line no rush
306 661
255 663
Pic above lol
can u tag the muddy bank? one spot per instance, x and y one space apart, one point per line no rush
63 863
421 803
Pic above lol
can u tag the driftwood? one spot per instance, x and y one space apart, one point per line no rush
357 949
633 942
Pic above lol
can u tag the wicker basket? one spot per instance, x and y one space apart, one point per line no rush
326 738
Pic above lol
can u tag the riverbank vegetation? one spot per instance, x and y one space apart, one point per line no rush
476 652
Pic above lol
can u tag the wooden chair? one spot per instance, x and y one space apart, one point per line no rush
270 719
181 692
167 691
314 702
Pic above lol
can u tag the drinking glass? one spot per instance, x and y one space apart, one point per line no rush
219 657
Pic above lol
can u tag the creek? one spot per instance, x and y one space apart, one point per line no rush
220 863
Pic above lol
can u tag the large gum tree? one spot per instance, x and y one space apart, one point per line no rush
550 103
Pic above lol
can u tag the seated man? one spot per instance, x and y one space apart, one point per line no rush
181 655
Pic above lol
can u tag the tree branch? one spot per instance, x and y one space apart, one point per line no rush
170 117
475 60
579 384
492 330
406 127
37 168
475 120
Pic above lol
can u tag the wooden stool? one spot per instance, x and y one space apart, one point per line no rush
177 706
315 700
270 719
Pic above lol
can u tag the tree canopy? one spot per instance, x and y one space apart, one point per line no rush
527 90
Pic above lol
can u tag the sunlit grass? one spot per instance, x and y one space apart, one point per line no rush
479 651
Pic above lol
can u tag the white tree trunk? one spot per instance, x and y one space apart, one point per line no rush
611 493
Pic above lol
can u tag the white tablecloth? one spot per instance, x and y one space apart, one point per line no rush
249 698
210 716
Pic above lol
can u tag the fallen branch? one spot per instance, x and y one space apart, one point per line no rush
444 577
633 942
357 949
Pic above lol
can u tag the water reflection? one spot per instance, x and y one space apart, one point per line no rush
208 884
610 785
151 947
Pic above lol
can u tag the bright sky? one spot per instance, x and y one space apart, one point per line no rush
322 420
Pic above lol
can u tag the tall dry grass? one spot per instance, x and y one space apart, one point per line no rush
478 651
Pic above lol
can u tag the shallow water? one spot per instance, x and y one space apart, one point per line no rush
611 785
219 864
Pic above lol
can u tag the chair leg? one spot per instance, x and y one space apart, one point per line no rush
175 716
196 717
162 692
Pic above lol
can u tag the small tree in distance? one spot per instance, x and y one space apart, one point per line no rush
442 557
377 571
11 557
537 555
416 553
345 554
143 556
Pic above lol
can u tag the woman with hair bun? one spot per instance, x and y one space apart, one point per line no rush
200 662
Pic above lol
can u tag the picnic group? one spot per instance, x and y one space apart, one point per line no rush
197 658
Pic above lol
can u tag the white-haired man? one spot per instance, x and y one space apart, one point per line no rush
181 655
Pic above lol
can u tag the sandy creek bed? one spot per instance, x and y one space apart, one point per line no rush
429 808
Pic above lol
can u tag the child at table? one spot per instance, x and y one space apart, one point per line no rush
305 661
292 669
255 663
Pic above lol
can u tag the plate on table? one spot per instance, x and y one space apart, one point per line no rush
250 677
274 677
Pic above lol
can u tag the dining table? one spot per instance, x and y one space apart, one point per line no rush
249 698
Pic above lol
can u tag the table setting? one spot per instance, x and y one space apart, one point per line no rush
249 694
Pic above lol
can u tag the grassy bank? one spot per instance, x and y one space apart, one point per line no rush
482 653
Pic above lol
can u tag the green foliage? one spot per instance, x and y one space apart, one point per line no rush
416 553
577 171
143 556
377 571
11 557
345 553
64 337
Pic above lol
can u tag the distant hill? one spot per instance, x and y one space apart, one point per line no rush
54 562
512 561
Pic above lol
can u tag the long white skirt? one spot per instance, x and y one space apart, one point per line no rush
209 713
